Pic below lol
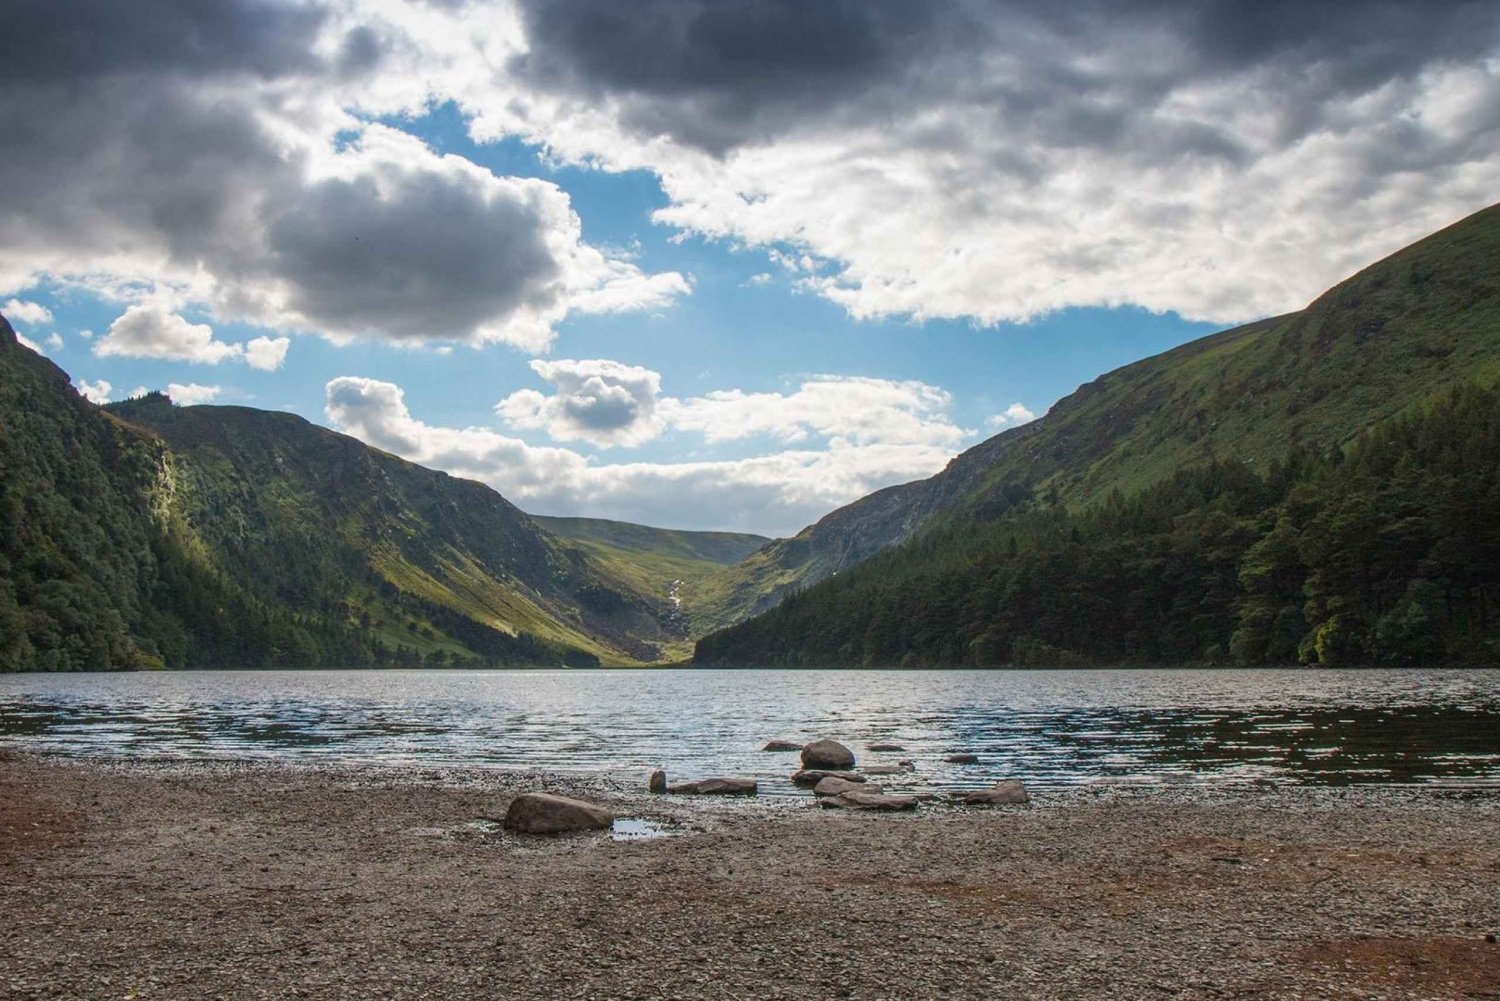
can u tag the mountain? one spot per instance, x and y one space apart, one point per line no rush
1257 411
1390 339
679 568
144 534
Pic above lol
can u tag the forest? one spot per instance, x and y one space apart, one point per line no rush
1384 552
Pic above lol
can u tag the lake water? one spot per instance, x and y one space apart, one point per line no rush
1048 727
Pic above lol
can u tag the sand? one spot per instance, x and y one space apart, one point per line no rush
242 880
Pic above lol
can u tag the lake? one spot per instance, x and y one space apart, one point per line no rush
1050 728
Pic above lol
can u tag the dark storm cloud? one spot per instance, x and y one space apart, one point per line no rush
721 73
431 255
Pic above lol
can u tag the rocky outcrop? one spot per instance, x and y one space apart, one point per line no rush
781 745
717 786
827 754
543 813
1007 793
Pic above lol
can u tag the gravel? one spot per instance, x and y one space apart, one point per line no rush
246 880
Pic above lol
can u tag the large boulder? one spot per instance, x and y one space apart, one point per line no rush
543 813
703 787
781 745
1007 793
827 754
832 785
869 801
812 776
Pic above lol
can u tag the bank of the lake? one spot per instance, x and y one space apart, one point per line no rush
262 880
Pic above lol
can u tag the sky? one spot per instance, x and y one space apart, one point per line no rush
708 264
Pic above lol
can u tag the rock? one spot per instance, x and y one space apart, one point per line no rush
868 801
827 754
885 747
885 770
907 764
781 745
543 813
832 785
962 759
703 787
812 776
1011 791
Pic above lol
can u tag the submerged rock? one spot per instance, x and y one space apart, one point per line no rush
827 754
703 787
869 801
544 813
885 747
886 769
812 776
1009 792
832 785
781 745
962 759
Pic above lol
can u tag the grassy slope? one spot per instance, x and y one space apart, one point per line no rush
323 518
659 562
1386 340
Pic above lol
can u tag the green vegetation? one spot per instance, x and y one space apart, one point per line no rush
1392 339
1389 554
148 535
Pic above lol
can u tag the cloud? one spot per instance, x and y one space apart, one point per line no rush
54 340
774 494
602 402
94 392
191 394
608 403
150 330
29 313
266 353
1012 416
996 161
229 162
27 342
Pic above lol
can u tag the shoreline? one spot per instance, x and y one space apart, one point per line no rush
248 879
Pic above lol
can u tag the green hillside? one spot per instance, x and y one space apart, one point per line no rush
1391 339
145 534
678 568
1392 342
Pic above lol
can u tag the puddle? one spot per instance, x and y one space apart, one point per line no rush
637 829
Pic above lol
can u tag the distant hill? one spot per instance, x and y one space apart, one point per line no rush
1388 340
1387 346
145 534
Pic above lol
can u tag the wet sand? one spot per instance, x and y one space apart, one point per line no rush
259 881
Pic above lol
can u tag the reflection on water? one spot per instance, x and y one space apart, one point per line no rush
1049 727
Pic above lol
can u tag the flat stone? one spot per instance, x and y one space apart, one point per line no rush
885 747
962 759
717 786
885 770
1007 793
869 801
832 785
544 813
812 776
827 754
781 745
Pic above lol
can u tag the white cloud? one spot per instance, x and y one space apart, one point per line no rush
1012 416
774 494
54 340
96 392
27 342
598 401
266 353
29 313
151 330
191 394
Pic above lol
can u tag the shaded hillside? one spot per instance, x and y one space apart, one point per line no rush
1394 337
144 534
1387 553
